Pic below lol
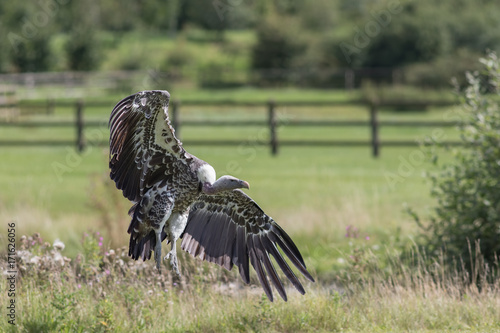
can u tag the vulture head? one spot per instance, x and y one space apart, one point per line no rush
206 175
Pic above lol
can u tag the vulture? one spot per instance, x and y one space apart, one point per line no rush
177 195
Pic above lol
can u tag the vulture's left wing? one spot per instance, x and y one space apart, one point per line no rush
143 147
230 228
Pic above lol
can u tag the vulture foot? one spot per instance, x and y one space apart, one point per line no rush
173 260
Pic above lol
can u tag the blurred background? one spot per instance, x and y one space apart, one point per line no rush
335 44
324 86
348 118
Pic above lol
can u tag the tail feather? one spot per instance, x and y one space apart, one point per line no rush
142 247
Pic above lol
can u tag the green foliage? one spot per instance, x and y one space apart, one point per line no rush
467 189
31 55
278 43
437 73
300 42
81 49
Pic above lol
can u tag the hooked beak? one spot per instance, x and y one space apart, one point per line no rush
244 184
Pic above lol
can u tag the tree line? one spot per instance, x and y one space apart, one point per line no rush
433 41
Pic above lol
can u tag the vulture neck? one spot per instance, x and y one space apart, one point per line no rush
206 175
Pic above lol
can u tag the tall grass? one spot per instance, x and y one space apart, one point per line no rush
101 290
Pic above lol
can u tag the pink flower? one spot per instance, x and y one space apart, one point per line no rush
79 286
100 243
100 238
107 272
367 237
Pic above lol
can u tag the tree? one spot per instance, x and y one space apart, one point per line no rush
278 43
82 46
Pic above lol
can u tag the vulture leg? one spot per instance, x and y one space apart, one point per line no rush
158 249
174 229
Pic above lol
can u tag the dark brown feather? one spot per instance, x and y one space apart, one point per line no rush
230 229
133 142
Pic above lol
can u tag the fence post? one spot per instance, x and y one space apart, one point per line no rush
272 127
175 118
374 129
80 142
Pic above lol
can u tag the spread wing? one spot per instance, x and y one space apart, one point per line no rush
143 146
231 229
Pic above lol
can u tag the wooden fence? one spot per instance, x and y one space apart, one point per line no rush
271 122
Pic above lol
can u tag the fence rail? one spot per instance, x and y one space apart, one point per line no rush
79 123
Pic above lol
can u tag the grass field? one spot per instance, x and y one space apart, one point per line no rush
315 193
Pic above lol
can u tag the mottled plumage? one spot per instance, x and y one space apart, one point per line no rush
176 195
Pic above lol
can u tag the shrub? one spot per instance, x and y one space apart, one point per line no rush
31 55
437 73
466 219
81 50
278 44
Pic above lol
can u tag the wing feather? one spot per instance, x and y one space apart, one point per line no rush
231 229
257 264
142 142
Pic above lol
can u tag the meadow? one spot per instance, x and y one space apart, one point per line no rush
344 209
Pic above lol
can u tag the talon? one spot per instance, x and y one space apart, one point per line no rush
173 260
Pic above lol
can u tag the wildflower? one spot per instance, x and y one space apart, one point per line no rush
79 286
58 245
100 243
107 272
100 238
59 258
175 284
367 237
35 260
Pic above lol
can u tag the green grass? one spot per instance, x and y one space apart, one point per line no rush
103 292
315 193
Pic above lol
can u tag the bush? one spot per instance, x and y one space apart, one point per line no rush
466 219
278 44
437 73
81 50
31 55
